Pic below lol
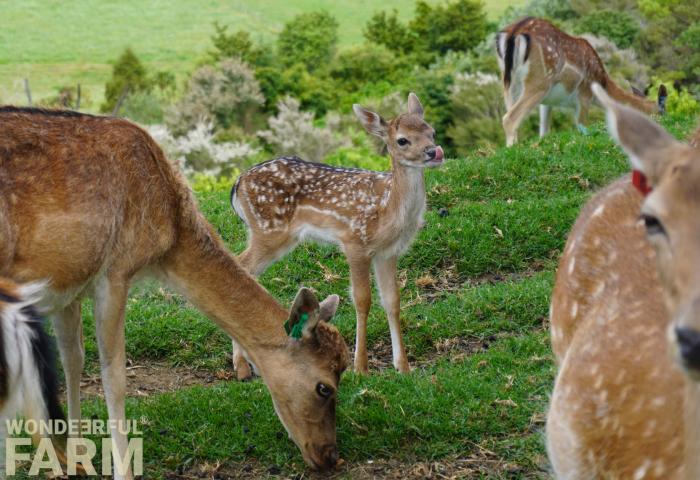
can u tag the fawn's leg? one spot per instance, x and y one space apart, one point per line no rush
110 304
240 362
362 298
529 99
581 118
385 270
68 327
545 119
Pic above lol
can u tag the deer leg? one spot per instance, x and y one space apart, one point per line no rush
362 297
385 270
514 117
581 117
545 119
68 327
110 304
240 363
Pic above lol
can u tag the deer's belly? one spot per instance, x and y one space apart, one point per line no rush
559 96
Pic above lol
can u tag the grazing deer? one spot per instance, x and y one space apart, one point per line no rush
88 203
27 364
625 317
373 216
544 66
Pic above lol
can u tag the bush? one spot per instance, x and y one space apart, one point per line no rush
681 103
352 69
620 27
144 108
292 132
67 97
689 45
223 95
622 65
236 45
128 77
361 157
309 39
476 109
388 31
197 152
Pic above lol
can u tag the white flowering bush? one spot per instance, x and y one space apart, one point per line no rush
292 132
197 152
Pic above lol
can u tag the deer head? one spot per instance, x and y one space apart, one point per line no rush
303 378
669 175
408 138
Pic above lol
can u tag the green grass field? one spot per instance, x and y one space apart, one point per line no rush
475 302
54 43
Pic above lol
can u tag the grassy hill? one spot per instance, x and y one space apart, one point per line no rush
54 44
475 301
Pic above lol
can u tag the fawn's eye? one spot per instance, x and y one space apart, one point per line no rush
652 225
402 142
324 390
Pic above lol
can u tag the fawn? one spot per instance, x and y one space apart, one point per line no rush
87 203
544 66
625 317
373 216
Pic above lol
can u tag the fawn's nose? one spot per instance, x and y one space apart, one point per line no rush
435 153
689 345
329 456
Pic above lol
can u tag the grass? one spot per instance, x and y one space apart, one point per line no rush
476 332
54 44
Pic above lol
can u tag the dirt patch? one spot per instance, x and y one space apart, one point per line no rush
148 378
483 463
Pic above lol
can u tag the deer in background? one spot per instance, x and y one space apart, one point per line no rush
373 216
88 203
625 317
541 65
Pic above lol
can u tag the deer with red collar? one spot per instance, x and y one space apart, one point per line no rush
542 65
373 216
89 203
625 317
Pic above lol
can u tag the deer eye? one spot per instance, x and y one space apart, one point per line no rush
402 142
324 390
652 225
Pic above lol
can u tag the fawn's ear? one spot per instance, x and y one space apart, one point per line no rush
414 105
306 312
372 122
648 146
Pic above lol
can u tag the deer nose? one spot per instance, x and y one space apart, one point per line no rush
435 153
329 456
689 345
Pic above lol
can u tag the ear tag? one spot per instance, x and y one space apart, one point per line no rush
298 328
639 180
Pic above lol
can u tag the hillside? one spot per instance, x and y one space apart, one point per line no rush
55 45
475 301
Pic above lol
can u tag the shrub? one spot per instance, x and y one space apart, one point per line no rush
387 30
359 157
476 110
622 65
197 152
292 132
556 10
620 27
681 103
309 39
143 107
67 97
129 76
223 95
352 69
689 45
236 45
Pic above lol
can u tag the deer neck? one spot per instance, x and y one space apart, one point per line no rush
201 268
692 430
407 192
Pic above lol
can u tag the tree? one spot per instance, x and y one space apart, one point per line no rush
235 45
620 27
309 39
128 76
387 30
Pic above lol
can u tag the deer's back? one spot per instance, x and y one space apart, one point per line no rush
81 193
609 414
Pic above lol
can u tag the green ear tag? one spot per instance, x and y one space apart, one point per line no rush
296 330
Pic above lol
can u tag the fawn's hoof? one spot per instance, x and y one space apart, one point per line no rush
243 372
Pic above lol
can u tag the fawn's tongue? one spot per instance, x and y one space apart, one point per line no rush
439 154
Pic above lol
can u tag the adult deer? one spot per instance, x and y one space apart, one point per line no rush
90 202
373 216
541 65
625 317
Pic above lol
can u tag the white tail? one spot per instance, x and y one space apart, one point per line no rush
625 318
373 216
544 66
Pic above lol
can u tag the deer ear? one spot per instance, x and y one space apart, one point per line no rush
306 312
372 122
648 145
328 307
414 105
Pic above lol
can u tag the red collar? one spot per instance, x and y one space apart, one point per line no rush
639 180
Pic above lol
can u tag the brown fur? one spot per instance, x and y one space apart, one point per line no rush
373 216
88 203
621 406
552 58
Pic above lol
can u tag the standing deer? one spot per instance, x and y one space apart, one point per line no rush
625 317
373 216
87 203
544 66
